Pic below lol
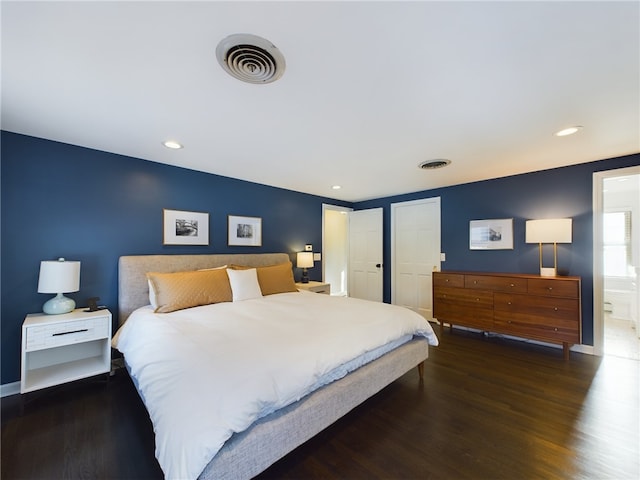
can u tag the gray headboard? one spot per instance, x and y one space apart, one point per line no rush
133 288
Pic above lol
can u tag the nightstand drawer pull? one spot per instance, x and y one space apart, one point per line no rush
69 333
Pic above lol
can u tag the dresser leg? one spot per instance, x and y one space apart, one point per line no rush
565 350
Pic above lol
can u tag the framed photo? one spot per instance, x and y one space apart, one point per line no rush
245 231
185 228
494 234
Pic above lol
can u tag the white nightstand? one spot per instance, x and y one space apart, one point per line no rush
316 287
62 348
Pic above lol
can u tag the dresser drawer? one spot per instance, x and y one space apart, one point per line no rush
531 326
554 288
497 283
59 334
545 307
461 296
481 318
441 279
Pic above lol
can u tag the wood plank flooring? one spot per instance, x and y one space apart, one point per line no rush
488 408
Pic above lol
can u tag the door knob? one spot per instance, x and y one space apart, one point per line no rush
378 265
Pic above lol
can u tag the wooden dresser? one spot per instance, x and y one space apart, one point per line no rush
522 305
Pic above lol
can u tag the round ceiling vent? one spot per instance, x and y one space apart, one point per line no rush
250 58
433 164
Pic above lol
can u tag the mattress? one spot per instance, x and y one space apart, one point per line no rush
268 353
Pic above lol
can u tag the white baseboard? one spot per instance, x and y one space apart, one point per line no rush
588 349
7 389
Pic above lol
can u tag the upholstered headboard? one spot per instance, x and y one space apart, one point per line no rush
133 288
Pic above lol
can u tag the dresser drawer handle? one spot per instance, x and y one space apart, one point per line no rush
555 308
477 299
475 282
555 329
508 303
549 288
69 333
512 285
446 279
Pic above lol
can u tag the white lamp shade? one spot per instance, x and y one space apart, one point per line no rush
548 230
59 276
305 260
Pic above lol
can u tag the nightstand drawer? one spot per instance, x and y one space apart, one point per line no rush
67 333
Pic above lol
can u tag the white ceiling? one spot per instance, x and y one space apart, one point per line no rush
371 89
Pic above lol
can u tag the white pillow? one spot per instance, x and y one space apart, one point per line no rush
152 295
244 284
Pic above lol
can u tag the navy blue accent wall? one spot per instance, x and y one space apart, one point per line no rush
93 206
556 193
60 200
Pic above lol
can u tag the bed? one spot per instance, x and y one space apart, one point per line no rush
280 426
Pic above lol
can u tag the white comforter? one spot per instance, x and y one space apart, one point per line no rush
207 372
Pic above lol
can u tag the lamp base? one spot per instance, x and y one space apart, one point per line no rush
58 304
305 276
548 271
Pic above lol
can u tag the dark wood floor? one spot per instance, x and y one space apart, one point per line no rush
489 408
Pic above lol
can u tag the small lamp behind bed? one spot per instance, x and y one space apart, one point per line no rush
304 261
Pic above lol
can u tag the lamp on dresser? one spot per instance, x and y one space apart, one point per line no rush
549 230
59 276
304 260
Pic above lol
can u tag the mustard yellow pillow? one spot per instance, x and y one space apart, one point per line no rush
273 278
179 290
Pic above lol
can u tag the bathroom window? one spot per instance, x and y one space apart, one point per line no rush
617 244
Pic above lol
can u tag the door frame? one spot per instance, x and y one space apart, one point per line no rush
598 245
336 208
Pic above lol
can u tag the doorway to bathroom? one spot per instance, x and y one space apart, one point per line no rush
617 262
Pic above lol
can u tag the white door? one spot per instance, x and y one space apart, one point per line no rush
365 254
415 253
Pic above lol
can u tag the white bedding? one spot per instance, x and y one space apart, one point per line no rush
207 372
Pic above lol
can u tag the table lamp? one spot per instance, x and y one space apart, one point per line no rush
304 261
59 276
549 230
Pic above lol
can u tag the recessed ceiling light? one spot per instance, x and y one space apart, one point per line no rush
568 131
336 187
173 144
